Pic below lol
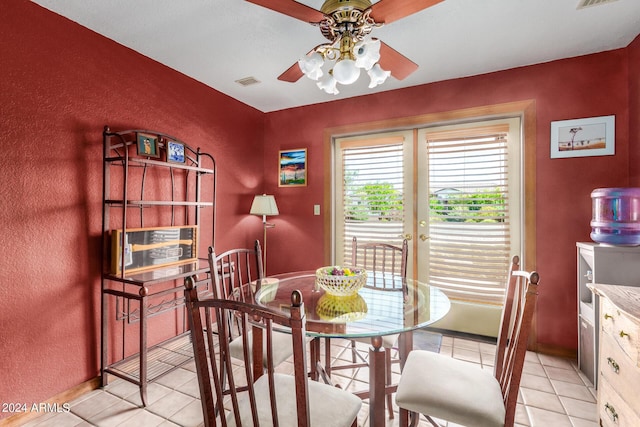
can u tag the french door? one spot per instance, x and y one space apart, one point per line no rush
453 191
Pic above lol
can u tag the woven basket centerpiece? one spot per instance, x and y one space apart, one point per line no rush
341 281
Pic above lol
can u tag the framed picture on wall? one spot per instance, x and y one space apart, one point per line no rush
292 168
147 145
593 136
175 152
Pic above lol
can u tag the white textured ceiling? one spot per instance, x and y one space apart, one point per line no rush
220 41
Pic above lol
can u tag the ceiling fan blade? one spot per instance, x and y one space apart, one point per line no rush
387 11
292 74
392 60
291 8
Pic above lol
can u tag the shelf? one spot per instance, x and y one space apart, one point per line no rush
161 359
143 161
161 275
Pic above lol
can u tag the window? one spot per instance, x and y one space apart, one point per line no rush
473 210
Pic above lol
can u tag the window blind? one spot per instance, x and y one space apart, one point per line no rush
372 191
469 220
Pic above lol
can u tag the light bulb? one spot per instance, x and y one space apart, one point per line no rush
346 72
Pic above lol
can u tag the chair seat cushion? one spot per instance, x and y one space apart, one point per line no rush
282 348
329 406
450 389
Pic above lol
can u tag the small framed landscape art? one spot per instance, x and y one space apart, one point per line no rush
175 152
292 168
593 136
147 145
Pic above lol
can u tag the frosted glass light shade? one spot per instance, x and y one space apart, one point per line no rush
378 76
328 84
311 65
367 53
264 205
345 71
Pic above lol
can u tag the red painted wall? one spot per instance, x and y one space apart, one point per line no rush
593 85
59 85
634 112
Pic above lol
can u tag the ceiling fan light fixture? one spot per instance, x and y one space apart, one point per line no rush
347 25
377 75
366 53
311 65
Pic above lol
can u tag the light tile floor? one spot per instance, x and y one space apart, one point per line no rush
552 393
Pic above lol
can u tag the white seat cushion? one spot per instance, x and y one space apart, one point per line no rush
329 406
282 347
449 389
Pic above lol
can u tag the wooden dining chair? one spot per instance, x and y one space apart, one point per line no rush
456 391
273 398
388 262
237 276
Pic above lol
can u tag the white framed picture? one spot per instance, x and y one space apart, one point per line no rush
593 136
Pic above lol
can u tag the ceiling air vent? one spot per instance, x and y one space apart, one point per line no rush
586 3
248 81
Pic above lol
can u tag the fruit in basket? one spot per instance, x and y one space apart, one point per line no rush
337 271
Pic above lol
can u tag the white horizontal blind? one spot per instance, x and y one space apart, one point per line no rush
470 225
372 192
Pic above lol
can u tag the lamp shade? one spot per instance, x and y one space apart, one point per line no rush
264 205
328 84
311 65
367 53
378 75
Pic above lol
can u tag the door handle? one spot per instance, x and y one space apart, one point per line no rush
424 237
406 236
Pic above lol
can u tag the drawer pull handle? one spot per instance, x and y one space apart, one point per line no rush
623 334
607 316
614 365
610 410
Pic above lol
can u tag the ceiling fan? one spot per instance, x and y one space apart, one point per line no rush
347 25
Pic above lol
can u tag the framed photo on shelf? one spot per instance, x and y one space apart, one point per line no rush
292 168
175 152
147 145
593 136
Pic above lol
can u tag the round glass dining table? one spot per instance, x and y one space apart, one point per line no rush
387 304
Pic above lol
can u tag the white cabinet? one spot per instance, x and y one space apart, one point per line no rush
619 374
598 263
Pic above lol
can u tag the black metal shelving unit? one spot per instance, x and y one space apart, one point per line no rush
150 195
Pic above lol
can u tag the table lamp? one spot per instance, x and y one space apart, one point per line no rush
264 205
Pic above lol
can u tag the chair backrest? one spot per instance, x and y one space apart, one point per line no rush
520 300
236 273
382 257
244 398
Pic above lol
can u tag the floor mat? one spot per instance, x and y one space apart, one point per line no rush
426 340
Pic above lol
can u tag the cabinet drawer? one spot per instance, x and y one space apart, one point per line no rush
623 330
613 411
619 371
